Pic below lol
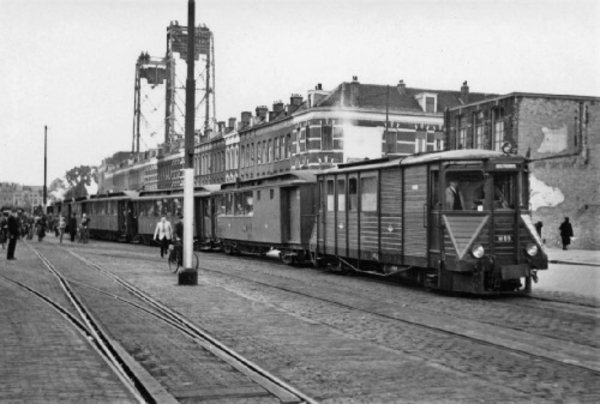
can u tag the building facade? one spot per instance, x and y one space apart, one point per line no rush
22 196
561 136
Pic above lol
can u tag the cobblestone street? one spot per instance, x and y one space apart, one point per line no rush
336 338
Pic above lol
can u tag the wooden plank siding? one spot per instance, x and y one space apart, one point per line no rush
391 211
415 196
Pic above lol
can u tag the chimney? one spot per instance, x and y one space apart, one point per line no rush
278 106
261 112
245 121
401 87
221 126
295 103
316 96
464 93
231 124
354 92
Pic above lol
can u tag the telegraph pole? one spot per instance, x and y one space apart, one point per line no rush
189 275
45 194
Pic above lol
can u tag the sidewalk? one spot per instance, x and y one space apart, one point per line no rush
576 257
44 358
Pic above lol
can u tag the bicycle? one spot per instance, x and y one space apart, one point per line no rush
175 258
83 235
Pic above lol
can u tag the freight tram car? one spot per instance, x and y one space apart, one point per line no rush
455 221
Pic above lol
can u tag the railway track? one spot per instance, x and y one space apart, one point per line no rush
512 340
391 321
282 391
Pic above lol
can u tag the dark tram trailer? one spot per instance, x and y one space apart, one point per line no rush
395 217
258 216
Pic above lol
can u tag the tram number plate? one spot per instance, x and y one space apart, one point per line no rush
504 238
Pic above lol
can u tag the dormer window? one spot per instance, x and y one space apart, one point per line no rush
427 102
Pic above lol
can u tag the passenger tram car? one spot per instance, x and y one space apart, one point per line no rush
454 221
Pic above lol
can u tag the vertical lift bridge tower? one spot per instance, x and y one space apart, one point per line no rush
171 72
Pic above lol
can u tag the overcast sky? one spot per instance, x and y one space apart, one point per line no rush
71 64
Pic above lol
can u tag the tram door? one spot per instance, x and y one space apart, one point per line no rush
434 206
122 217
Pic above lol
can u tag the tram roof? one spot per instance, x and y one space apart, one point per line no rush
288 177
451 155
115 196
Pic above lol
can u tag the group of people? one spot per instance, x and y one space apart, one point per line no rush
15 225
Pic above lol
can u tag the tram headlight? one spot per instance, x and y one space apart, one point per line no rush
531 249
477 251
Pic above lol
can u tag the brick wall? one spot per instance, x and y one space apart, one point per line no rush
562 136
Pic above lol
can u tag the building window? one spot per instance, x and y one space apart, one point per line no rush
302 140
259 153
243 162
429 104
327 138
314 138
277 149
420 142
288 145
390 142
270 151
338 138
498 129
478 141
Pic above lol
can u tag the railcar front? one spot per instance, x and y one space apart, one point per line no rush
455 221
481 237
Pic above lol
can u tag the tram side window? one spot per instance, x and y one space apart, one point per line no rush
352 194
220 201
341 194
177 210
368 194
330 196
229 204
243 204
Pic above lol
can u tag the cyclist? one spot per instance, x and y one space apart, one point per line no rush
85 222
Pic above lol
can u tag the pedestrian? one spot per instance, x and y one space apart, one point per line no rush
3 229
13 234
163 233
73 227
566 232
41 228
62 225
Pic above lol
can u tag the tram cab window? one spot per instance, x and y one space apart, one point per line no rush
465 190
505 190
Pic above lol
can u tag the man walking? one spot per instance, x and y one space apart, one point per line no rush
13 234
163 233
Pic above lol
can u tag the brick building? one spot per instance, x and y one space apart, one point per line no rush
561 136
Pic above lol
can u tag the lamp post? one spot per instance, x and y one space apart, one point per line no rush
189 275
45 191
